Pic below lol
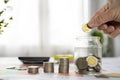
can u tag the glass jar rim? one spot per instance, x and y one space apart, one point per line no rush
88 37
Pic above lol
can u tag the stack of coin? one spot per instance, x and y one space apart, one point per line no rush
48 67
63 65
33 69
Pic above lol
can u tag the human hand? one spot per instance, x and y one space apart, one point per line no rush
107 19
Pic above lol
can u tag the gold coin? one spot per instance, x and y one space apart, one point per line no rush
92 61
112 74
85 28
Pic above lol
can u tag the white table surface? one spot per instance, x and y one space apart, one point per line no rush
109 65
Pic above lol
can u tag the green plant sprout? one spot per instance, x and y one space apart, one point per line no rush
6 1
3 22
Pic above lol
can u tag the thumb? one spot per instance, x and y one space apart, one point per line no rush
99 19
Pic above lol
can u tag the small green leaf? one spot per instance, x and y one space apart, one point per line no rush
6 1
1 30
0 25
99 34
11 18
6 25
2 21
1 12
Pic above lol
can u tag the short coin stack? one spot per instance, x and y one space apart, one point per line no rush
63 65
33 69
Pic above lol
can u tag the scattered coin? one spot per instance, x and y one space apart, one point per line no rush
11 68
101 76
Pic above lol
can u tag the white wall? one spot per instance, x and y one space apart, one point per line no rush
95 4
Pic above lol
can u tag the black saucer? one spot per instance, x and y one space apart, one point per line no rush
33 60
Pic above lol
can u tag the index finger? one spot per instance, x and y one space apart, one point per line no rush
101 16
100 19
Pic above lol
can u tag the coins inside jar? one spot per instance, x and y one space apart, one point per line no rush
89 63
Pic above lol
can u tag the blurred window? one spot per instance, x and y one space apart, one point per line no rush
65 21
42 27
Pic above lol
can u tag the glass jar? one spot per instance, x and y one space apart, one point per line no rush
87 55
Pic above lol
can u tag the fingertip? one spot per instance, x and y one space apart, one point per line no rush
110 29
99 19
92 23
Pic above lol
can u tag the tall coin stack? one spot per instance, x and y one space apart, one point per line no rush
64 65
